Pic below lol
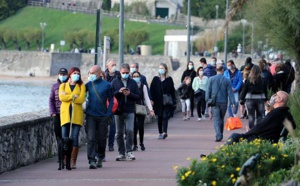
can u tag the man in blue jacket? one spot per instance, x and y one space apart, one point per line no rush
236 79
126 91
97 115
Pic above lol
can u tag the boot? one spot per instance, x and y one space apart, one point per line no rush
74 157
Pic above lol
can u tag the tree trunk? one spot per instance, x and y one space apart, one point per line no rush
27 45
3 44
16 44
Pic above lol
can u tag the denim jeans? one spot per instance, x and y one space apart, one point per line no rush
255 107
230 111
124 124
218 113
234 138
96 136
162 121
75 133
112 133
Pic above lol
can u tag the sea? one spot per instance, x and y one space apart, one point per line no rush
17 97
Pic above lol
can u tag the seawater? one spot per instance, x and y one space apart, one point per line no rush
22 97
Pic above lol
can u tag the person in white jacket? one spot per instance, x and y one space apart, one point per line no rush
200 84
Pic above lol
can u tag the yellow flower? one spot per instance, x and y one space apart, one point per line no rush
227 154
214 159
182 177
214 183
285 155
188 159
204 158
272 158
233 180
238 169
175 167
193 173
223 166
275 144
232 175
187 173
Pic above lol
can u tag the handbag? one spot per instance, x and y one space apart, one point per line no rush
233 123
140 109
167 100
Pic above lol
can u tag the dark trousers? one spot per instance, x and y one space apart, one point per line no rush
201 105
162 120
57 127
236 137
192 98
139 122
112 133
96 136
255 107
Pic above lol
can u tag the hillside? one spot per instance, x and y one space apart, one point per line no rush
60 22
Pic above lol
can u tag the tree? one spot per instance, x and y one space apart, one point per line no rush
81 38
10 7
2 32
29 36
70 38
12 35
106 5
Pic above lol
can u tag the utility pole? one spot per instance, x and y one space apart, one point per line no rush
226 34
188 32
121 33
97 45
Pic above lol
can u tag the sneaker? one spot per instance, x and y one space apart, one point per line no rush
104 159
203 117
121 157
234 115
184 118
130 156
99 163
142 147
199 119
135 148
93 165
165 135
160 136
111 148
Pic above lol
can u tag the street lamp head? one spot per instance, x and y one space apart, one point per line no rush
217 7
243 21
192 24
43 25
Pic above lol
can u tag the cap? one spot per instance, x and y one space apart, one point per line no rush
63 71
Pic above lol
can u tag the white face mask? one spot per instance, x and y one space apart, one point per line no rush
113 69
201 73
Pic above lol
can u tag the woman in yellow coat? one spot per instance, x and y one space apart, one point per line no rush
74 89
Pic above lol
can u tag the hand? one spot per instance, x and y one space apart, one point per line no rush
152 113
121 89
152 103
233 90
126 92
233 107
75 96
53 115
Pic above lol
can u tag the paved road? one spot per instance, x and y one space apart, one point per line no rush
152 167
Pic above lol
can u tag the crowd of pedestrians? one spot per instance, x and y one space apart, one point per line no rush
213 89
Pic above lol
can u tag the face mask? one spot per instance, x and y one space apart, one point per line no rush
132 70
191 67
125 76
62 78
137 79
75 77
92 77
161 71
272 100
201 73
113 69
213 63
228 67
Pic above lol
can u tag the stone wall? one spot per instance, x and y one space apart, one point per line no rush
27 138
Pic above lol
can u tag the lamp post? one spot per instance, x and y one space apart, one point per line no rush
98 36
192 29
43 26
244 21
216 24
188 32
226 34
121 33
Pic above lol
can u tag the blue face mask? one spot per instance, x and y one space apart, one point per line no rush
93 77
132 70
161 71
62 78
191 67
137 79
124 76
75 77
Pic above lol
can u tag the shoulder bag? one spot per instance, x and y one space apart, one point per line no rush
167 98
140 109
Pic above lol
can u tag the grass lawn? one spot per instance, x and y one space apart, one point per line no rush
60 22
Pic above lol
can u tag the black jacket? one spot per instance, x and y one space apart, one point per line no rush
271 126
184 91
157 89
253 88
126 104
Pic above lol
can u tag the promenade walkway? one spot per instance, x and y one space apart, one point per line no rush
152 167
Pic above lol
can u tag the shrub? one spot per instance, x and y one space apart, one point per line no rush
294 104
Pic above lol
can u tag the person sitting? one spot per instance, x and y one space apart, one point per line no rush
271 126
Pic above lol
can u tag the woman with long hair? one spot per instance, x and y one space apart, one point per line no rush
72 96
254 93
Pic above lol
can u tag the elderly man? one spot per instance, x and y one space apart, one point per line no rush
271 126
97 115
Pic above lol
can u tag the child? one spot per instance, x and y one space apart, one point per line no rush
184 92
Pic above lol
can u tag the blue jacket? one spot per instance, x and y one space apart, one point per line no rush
221 87
94 107
236 79
126 104
209 71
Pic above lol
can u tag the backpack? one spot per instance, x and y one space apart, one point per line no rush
115 109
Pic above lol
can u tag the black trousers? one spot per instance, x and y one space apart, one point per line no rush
57 127
192 98
139 122
201 106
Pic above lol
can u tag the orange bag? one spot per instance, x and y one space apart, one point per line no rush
233 123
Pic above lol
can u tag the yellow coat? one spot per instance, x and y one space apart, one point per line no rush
66 101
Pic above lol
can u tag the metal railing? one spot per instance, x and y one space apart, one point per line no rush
85 10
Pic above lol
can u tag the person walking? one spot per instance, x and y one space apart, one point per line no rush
190 71
72 95
236 80
184 92
199 86
54 107
220 91
126 91
97 116
139 120
162 86
254 93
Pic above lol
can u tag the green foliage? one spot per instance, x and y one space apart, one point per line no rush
137 7
116 7
106 5
222 167
2 33
10 7
136 37
294 104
